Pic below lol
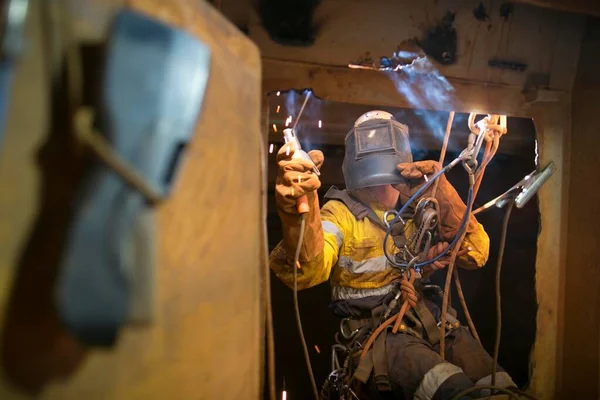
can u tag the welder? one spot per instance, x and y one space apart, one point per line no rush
343 242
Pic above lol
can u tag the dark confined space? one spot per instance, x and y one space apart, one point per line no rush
289 22
519 305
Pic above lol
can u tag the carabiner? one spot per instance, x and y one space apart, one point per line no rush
386 219
347 335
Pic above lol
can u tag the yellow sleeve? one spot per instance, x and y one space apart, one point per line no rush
334 222
479 242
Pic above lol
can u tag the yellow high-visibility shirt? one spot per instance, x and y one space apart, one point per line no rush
353 258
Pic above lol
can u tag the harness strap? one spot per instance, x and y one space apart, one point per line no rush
376 360
364 369
356 207
431 328
381 377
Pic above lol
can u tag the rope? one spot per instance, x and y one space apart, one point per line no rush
444 148
409 297
379 329
493 132
463 303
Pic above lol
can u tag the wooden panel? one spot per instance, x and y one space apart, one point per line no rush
575 6
206 343
581 315
349 29
378 89
553 130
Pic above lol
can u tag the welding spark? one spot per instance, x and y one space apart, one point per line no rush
426 178
278 108
317 349
271 148
320 124
284 395
288 120
278 93
274 128
537 155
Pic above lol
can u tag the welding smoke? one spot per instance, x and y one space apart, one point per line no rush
421 84
306 126
290 103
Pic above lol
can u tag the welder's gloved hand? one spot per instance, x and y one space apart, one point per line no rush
452 208
295 177
443 262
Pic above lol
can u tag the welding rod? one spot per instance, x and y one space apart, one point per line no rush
301 110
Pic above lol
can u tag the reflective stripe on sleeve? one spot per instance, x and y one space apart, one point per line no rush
503 380
434 378
333 229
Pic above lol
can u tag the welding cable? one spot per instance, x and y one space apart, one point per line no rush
297 307
488 154
457 283
460 236
497 288
487 157
399 214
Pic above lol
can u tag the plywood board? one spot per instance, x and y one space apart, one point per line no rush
206 343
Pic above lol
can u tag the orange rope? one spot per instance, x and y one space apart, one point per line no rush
463 302
375 334
409 296
489 152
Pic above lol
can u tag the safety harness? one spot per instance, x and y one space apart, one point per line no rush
418 322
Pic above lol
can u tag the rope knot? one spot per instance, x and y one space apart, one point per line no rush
409 294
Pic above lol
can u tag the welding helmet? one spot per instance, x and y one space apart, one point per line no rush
374 147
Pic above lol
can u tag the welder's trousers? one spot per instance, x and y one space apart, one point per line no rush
417 371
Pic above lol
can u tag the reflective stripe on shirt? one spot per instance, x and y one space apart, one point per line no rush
376 264
348 293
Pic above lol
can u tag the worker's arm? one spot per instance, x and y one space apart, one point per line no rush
317 259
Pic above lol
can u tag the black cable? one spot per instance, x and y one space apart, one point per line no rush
297 308
498 297
405 206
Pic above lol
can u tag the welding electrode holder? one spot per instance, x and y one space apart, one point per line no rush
290 137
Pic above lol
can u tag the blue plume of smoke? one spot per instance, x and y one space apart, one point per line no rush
293 103
421 84
290 104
